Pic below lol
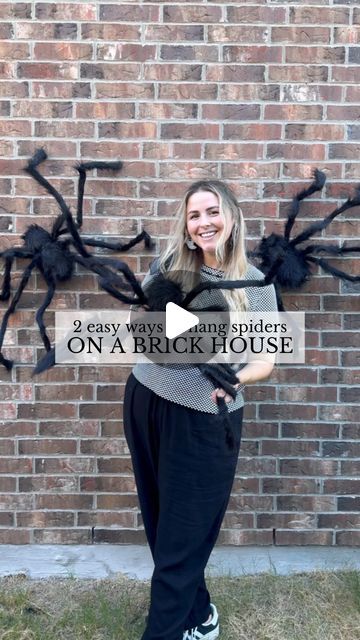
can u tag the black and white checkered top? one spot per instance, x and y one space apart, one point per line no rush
184 384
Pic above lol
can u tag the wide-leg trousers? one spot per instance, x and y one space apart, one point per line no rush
184 471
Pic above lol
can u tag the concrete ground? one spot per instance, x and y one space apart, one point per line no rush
105 561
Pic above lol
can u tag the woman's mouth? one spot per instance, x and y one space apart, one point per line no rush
207 234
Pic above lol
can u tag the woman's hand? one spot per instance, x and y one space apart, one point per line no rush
251 373
220 393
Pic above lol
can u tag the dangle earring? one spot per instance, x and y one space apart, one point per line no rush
190 244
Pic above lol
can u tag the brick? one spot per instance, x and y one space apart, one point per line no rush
252 92
37 109
15 128
14 51
124 519
252 54
348 538
65 11
118 32
323 55
46 410
45 519
306 503
338 412
256 14
303 467
290 486
6 31
352 503
286 520
239 73
346 35
62 51
293 112
238 520
125 129
236 33
301 35
298 73
245 537
125 52
110 71
350 467
289 538
341 486
341 449
280 411
186 52
308 394
19 10
46 31
48 70
260 429
14 536
63 536
345 74
231 112
129 13
189 14
119 536
313 430
319 15
351 431
124 90
169 33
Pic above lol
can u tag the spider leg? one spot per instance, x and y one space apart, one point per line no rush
222 284
47 361
330 248
108 279
322 224
31 168
9 255
317 185
328 268
220 375
23 282
121 266
40 313
120 246
82 169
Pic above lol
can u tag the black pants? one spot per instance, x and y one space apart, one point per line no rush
184 471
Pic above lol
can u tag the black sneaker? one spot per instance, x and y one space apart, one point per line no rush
205 631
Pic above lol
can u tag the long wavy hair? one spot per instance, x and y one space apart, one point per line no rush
230 254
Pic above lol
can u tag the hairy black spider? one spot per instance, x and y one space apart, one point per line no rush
294 262
56 258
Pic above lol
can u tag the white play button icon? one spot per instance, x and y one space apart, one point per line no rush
178 320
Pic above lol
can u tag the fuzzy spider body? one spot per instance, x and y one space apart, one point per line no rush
53 258
293 270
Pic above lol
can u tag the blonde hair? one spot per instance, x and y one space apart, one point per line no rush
230 254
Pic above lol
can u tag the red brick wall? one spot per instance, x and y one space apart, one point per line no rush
256 93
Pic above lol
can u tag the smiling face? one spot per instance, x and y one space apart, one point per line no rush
205 224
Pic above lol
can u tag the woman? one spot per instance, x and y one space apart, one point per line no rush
183 467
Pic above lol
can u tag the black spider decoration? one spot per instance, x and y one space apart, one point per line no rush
55 258
294 265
